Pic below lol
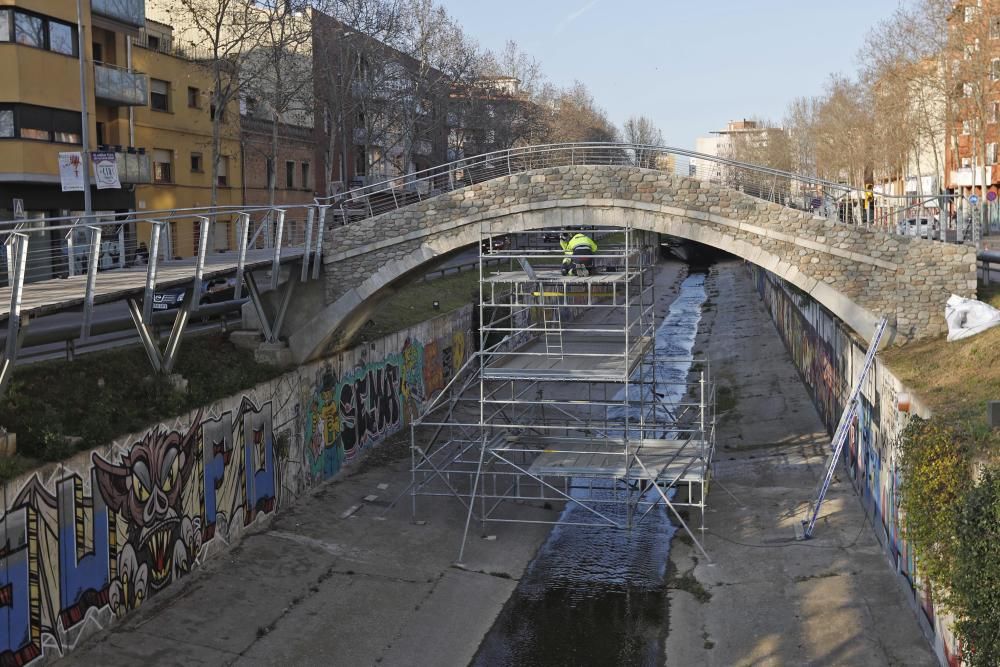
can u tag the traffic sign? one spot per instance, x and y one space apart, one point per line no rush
973 199
19 209
991 195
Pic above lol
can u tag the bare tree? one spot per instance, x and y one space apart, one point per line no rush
225 30
641 131
278 83
574 116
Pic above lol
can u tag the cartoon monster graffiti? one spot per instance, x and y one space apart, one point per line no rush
145 489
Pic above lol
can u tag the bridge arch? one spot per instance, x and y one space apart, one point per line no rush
858 274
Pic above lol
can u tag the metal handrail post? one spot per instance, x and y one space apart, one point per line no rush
276 263
19 260
199 270
243 229
310 215
319 242
154 258
88 297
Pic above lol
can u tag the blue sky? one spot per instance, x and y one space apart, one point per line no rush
690 66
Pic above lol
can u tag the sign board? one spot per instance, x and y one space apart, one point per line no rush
991 195
106 170
71 171
973 199
19 209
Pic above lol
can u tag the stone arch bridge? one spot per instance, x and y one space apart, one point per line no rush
857 273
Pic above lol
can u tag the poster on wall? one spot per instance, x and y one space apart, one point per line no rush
71 171
106 170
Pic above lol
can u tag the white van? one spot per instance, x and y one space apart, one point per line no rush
918 227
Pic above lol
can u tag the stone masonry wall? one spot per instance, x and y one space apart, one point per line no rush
859 274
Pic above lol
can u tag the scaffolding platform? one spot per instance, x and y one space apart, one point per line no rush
665 460
586 356
567 399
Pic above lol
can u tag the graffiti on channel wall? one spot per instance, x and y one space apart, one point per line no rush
82 547
826 355
100 545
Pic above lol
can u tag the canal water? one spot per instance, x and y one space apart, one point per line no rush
597 595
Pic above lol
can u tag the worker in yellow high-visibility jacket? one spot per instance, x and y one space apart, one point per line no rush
579 250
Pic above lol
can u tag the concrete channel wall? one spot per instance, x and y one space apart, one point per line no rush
88 540
828 356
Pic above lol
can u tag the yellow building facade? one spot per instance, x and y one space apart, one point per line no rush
176 129
148 102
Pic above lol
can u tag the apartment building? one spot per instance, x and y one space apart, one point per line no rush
40 109
379 113
175 127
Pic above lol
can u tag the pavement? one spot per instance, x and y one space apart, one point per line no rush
833 600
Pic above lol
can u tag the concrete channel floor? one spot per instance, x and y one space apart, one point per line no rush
833 600
375 589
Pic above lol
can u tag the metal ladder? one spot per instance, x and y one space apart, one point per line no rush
551 324
846 419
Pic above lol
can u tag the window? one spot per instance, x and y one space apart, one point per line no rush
289 174
61 38
98 50
269 166
491 137
29 30
197 166
38 31
360 161
223 180
995 27
194 98
159 95
966 90
162 160
966 162
991 153
6 123
211 113
994 112
966 127
153 42
995 69
26 121
305 176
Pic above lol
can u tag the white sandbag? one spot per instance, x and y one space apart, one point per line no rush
967 317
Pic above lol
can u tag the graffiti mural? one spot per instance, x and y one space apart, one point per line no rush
86 543
827 355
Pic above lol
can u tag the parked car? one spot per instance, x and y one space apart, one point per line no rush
494 243
214 290
918 227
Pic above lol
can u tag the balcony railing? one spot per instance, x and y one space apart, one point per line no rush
134 165
117 86
129 12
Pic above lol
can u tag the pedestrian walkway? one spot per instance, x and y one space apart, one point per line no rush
833 600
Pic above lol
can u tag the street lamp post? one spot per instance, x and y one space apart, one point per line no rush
84 115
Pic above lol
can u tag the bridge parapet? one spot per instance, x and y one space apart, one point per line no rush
856 272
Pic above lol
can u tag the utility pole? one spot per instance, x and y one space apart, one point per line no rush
84 115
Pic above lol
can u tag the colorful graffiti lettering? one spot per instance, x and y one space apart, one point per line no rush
82 548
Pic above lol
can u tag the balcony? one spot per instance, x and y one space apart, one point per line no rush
119 87
129 12
134 165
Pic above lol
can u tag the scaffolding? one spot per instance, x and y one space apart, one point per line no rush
568 398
